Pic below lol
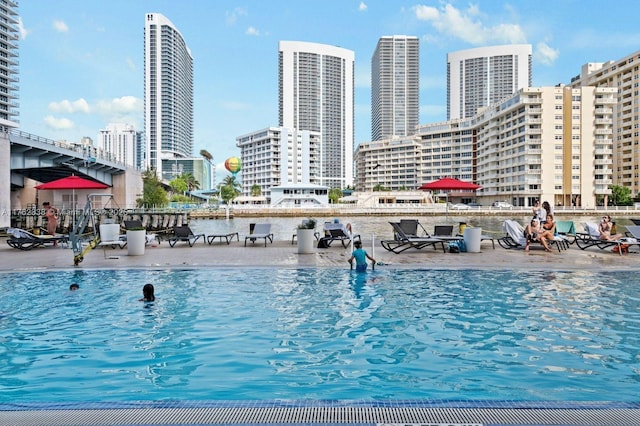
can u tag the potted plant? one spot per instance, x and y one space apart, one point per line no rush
305 235
136 240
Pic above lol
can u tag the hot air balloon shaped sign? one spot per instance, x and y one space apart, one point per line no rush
233 165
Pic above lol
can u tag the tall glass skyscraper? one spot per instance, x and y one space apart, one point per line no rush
482 76
8 63
168 93
315 87
395 87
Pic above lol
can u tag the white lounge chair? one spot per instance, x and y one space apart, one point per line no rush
260 230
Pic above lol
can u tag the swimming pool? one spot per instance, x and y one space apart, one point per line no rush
265 333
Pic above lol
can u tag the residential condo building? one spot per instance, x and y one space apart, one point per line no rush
168 93
624 76
278 156
9 74
316 93
120 140
395 87
388 164
479 77
548 143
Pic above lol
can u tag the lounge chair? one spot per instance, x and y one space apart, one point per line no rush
445 232
337 232
184 233
514 237
591 238
228 237
260 230
402 241
24 240
567 230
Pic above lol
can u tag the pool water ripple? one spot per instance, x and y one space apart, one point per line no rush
262 333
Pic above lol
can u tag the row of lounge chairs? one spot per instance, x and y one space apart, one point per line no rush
410 234
566 235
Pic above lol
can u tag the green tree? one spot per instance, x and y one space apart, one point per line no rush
153 194
178 185
191 181
620 195
379 187
334 195
229 188
255 190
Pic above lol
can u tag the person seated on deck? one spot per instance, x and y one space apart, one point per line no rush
549 227
534 232
605 230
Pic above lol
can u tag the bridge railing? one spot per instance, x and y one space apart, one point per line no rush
85 150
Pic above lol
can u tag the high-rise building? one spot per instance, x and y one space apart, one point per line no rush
482 76
277 156
9 63
395 91
168 93
316 93
623 75
120 141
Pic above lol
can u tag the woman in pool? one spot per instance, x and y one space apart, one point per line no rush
147 292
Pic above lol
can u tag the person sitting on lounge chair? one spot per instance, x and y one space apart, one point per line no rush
534 232
605 230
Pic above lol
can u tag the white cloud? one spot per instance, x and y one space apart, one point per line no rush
232 16
67 106
58 123
466 25
252 31
545 54
362 6
23 31
120 106
60 26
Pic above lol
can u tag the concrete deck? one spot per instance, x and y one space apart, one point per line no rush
284 254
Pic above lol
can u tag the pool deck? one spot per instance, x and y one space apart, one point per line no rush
282 254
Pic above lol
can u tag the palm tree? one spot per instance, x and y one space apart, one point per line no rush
191 181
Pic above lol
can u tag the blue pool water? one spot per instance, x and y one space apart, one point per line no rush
261 333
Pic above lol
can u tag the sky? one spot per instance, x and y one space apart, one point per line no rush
82 62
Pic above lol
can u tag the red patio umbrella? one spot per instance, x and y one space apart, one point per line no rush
450 184
72 182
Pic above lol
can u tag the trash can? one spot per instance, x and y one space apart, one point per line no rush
472 237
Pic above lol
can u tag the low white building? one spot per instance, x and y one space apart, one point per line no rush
300 195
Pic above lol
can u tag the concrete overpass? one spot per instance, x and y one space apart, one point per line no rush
24 155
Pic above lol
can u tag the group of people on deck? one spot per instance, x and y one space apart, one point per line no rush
542 226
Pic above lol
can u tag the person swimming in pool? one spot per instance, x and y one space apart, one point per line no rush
361 256
147 293
74 287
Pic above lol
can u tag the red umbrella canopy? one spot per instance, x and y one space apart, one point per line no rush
449 184
72 182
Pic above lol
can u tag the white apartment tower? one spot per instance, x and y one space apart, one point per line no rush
623 75
316 93
277 156
9 63
395 87
120 140
168 92
482 76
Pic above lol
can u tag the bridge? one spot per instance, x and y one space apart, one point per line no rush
44 160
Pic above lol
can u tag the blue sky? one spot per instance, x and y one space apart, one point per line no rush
81 62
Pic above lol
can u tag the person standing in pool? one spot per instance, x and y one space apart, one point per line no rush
147 293
361 256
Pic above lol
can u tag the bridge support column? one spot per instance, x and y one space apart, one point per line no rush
5 176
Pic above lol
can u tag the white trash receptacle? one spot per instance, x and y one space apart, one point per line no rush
472 238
